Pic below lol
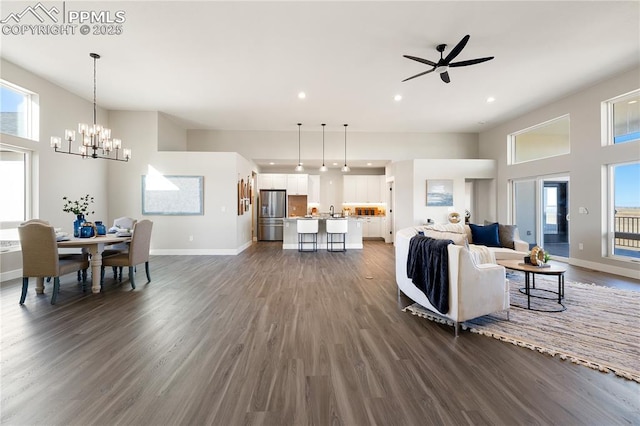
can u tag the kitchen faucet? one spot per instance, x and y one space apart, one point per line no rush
331 210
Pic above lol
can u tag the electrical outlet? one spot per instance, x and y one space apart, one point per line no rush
580 246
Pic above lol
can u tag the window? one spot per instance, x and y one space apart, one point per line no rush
621 117
545 140
624 229
17 111
14 198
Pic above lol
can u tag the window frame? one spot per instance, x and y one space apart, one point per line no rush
11 227
511 141
608 124
32 109
610 244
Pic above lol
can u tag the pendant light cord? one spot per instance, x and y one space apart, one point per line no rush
95 58
323 124
345 144
299 124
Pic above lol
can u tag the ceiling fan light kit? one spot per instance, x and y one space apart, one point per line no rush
443 65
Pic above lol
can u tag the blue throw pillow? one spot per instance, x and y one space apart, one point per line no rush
485 235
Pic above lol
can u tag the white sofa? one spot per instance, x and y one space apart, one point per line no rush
520 250
474 290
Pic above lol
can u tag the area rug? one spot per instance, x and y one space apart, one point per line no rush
600 327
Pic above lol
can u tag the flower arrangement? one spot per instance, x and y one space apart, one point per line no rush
78 207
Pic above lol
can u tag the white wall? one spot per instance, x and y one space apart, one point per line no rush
410 179
171 137
220 230
360 145
584 166
56 175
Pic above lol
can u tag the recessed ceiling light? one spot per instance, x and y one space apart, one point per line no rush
397 98
632 102
302 95
271 163
490 99
335 164
368 164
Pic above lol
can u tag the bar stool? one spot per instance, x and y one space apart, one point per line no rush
307 227
335 228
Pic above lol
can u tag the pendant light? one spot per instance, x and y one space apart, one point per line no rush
345 168
323 168
299 167
94 139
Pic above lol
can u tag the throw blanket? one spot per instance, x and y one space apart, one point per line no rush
428 268
481 254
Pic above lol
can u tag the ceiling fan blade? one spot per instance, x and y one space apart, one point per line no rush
470 62
424 61
445 77
456 50
418 75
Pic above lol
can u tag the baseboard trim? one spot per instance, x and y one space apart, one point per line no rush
200 252
10 275
602 267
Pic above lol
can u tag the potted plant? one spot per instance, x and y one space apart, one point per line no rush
80 208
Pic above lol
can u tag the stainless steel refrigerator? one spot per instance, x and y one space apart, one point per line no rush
271 213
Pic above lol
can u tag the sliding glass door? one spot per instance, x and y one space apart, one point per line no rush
540 209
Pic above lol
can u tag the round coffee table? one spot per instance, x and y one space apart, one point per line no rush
530 272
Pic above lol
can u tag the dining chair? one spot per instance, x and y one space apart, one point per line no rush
40 257
138 253
76 256
124 222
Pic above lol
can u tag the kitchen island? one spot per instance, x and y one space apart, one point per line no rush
353 236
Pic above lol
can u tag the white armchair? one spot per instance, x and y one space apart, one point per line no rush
474 290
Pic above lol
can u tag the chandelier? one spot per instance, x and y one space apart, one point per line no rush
95 140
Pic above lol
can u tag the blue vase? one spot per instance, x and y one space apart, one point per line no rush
77 224
102 230
86 231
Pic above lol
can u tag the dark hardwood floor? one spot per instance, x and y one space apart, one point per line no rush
278 337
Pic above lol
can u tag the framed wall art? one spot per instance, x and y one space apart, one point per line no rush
172 195
440 192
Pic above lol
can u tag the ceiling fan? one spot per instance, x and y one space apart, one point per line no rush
443 65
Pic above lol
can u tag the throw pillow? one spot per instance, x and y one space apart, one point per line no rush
485 235
506 234
448 227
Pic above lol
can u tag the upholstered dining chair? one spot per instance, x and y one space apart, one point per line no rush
40 257
76 256
124 222
138 253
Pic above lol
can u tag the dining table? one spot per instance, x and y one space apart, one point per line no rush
94 246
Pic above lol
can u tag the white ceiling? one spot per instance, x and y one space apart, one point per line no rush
240 65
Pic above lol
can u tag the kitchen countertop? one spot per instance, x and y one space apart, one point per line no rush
321 217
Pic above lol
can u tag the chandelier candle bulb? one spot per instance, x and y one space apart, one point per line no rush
70 135
55 142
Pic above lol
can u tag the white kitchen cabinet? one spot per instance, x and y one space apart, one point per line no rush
313 189
363 189
272 181
349 189
297 184
375 186
372 227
